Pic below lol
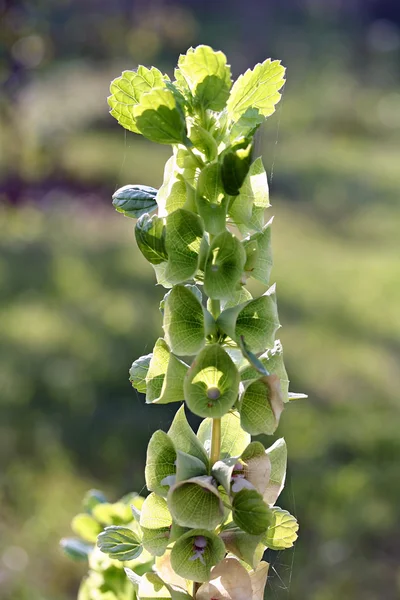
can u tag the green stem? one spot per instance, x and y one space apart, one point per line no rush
215 440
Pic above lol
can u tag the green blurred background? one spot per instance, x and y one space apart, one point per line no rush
78 303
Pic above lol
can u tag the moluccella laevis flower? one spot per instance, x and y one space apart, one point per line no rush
229 580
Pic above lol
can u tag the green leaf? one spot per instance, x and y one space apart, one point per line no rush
250 512
202 140
211 200
120 543
243 545
184 438
91 499
184 322
272 361
184 550
277 454
224 266
247 124
233 439
160 462
159 118
188 466
155 523
172 193
259 254
282 532
211 385
257 321
257 89
150 238
261 405
86 527
127 90
138 373
75 548
207 75
222 471
135 200
236 162
184 234
164 380
196 503
247 210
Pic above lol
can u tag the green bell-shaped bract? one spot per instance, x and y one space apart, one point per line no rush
188 466
160 463
186 321
250 512
164 379
236 160
211 200
272 360
233 438
277 454
150 237
246 547
138 373
173 192
205 73
224 266
155 523
135 200
256 321
247 209
259 254
212 383
192 562
282 532
261 405
196 503
127 91
184 235
184 438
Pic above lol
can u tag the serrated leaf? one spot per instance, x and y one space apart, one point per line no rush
250 512
138 373
282 532
196 503
158 117
182 555
236 160
247 209
224 266
184 438
277 454
261 405
160 462
207 75
272 361
257 321
233 439
212 383
247 124
202 140
150 238
120 543
135 200
184 234
258 89
86 527
164 380
259 254
75 548
211 201
127 90
184 322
